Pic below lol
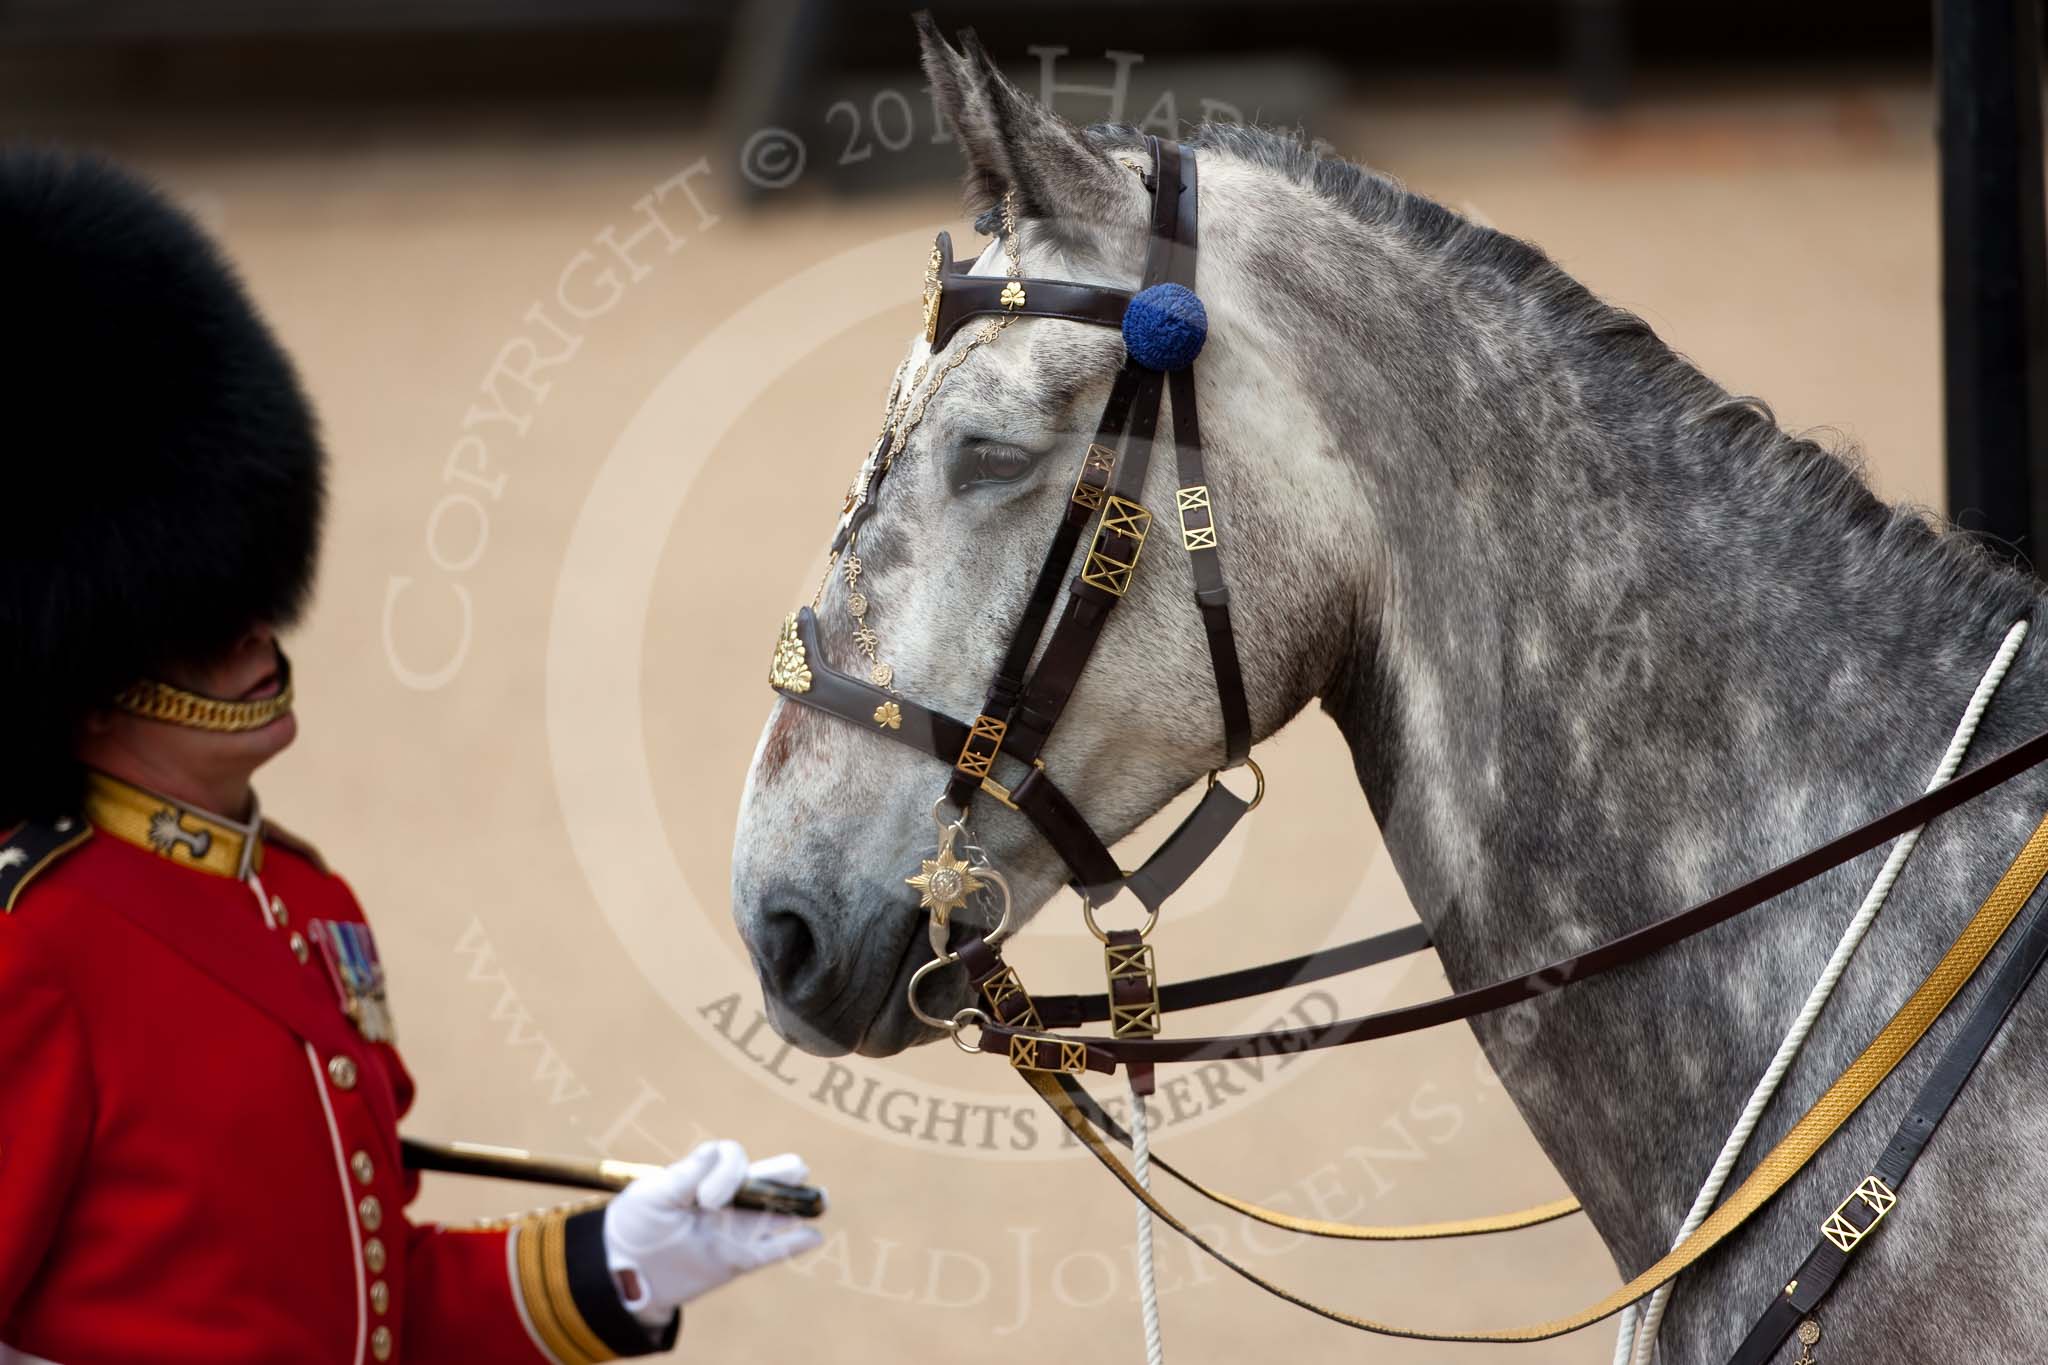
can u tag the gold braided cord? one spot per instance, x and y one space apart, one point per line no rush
154 700
1820 1123
541 1265
555 1265
533 1295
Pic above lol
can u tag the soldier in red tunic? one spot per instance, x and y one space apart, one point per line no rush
199 1093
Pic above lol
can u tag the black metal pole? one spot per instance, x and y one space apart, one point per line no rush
1994 269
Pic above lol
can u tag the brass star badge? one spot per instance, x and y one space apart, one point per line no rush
944 883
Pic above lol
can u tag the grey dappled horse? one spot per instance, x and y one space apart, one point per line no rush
1602 639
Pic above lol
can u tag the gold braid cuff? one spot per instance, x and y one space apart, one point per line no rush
154 700
540 1255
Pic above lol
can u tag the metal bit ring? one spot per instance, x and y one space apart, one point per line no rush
1258 792
917 978
959 1023
1088 918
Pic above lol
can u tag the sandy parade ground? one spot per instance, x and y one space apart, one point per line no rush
585 459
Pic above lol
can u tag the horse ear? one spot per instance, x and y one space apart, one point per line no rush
1013 142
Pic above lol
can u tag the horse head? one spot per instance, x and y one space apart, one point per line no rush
989 428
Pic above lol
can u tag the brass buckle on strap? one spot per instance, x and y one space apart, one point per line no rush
984 741
1195 498
1120 517
1009 1002
1132 964
1100 461
1002 793
1032 1053
1845 1234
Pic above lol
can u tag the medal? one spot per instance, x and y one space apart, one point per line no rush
350 953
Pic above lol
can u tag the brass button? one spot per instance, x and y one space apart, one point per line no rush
371 1212
278 912
373 1255
341 1069
380 1343
299 946
380 1298
361 1165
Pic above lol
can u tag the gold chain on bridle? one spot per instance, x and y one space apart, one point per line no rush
901 418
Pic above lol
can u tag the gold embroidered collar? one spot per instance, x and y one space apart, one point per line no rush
174 829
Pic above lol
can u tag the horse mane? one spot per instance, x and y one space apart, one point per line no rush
1913 540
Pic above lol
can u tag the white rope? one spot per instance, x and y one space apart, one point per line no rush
1625 1336
1652 1315
1148 1285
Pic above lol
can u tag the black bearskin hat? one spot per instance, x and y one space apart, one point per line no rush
165 478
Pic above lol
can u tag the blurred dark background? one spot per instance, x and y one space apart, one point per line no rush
227 53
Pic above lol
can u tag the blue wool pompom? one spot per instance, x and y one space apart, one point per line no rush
1165 326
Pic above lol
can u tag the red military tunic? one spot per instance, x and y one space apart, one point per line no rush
199 1156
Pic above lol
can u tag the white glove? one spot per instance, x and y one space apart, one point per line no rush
670 1236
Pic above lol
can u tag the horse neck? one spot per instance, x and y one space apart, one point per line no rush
1631 646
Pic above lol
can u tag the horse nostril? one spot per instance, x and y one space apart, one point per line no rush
787 949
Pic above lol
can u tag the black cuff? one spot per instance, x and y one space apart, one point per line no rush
597 1296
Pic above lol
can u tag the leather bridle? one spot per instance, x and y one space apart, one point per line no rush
1025 704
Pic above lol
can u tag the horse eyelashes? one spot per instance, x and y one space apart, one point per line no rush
991 463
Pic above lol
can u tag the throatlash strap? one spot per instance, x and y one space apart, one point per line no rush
1820 1123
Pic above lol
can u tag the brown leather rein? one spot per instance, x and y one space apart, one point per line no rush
1104 1053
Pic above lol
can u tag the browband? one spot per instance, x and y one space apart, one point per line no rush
962 296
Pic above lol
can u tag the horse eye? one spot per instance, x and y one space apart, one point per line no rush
993 463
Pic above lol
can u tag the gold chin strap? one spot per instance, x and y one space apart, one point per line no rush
1772 1174
153 700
